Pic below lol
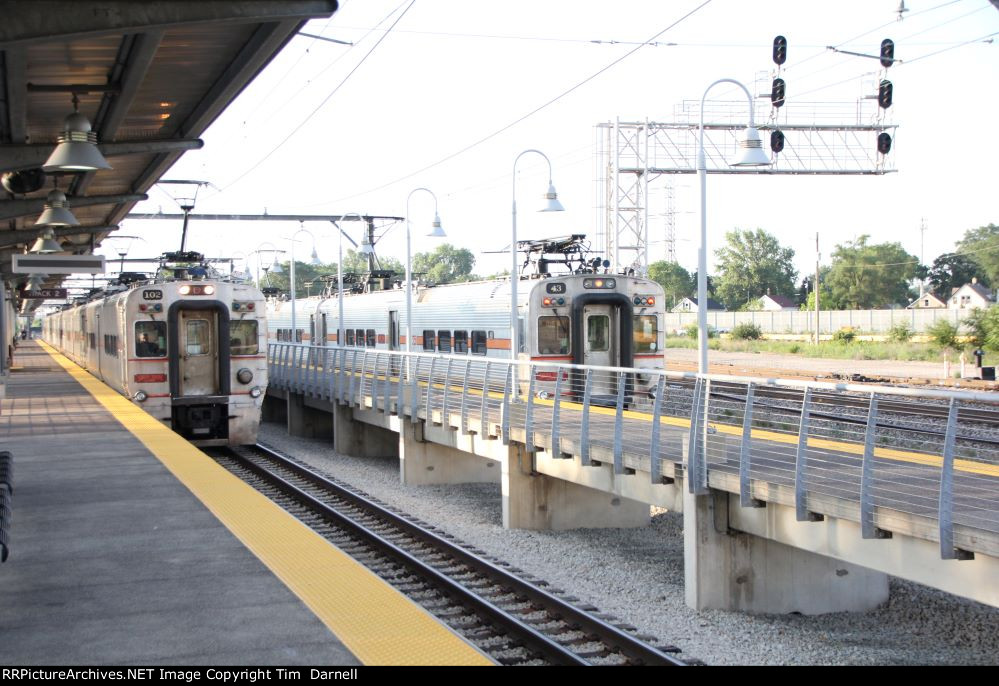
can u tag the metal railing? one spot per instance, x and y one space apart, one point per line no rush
896 460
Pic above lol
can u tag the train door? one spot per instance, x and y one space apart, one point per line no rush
199 356
600 345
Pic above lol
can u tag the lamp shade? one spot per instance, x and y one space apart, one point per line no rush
77 148
366 249
751 152
551 201
56 212
276 267
314 260
435 230
46 244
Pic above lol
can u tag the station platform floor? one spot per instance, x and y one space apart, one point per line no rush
129 546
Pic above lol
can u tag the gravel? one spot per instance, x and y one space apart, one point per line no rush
637 576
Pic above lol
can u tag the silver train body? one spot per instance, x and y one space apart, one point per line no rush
585 319
191 353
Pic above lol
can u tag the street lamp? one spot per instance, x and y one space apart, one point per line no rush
437 232
751 155
313 261
551 205
339 273
261 249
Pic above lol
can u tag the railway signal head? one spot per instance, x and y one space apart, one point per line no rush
776 140
887 52
884 94
884 143
780 50
777 92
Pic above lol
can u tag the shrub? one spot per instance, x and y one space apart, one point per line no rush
794 349
977 327
691 330
747 332
900 333
844 335
943 333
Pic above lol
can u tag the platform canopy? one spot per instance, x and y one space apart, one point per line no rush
149 76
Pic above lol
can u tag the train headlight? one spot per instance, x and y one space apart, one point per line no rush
244 376
140 396
185 290
255 392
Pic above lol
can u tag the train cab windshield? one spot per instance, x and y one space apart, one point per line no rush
150 339
243 337
553 335
646 333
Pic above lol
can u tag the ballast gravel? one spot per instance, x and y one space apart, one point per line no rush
636 575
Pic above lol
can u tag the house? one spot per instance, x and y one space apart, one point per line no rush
690 305
927 301
771 303
970 296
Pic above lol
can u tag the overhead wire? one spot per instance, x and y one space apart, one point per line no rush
526 116
321 104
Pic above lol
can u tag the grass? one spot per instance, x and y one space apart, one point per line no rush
842 350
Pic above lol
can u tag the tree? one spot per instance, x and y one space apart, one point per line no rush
675 280
446 264
751 265
303 272
953 270
866 276
982 246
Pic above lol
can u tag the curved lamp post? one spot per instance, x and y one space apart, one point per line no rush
551 205
339 273
437 232
313 261
751 155
261 249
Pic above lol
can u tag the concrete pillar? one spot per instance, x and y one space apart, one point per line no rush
731 570
535 501
307 422
275 408
359 439
423 464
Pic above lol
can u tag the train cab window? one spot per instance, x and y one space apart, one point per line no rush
598 333
553 335
360 338
428 340
150 339
646 333
461 341
298 335
444 341
198 340
479 346
372 338
349 337
243 337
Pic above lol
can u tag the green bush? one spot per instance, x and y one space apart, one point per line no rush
845 335
943 333
900 333
747 332
691 330
990 323
977 326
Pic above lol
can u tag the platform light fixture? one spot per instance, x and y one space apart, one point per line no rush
56 212
435 232
46 244
77 148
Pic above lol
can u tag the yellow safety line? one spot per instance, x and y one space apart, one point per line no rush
377 623
960 465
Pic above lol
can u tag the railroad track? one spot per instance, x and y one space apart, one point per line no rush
506 613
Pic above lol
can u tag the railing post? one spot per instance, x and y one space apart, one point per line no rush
746 452
505 423
556 408
414 390
430 389
353 380
655 463
399 407
584 421
529 412
445 422
484 409
695 441
619 425
945 507
463 407
801 512
867 527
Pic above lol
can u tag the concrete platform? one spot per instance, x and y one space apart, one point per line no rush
114 560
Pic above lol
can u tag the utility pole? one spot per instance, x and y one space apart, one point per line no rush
815 288
922 232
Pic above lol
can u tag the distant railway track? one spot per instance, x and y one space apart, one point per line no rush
510 617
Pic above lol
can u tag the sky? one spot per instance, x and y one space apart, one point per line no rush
445 94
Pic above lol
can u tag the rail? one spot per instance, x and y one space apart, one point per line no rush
902 461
